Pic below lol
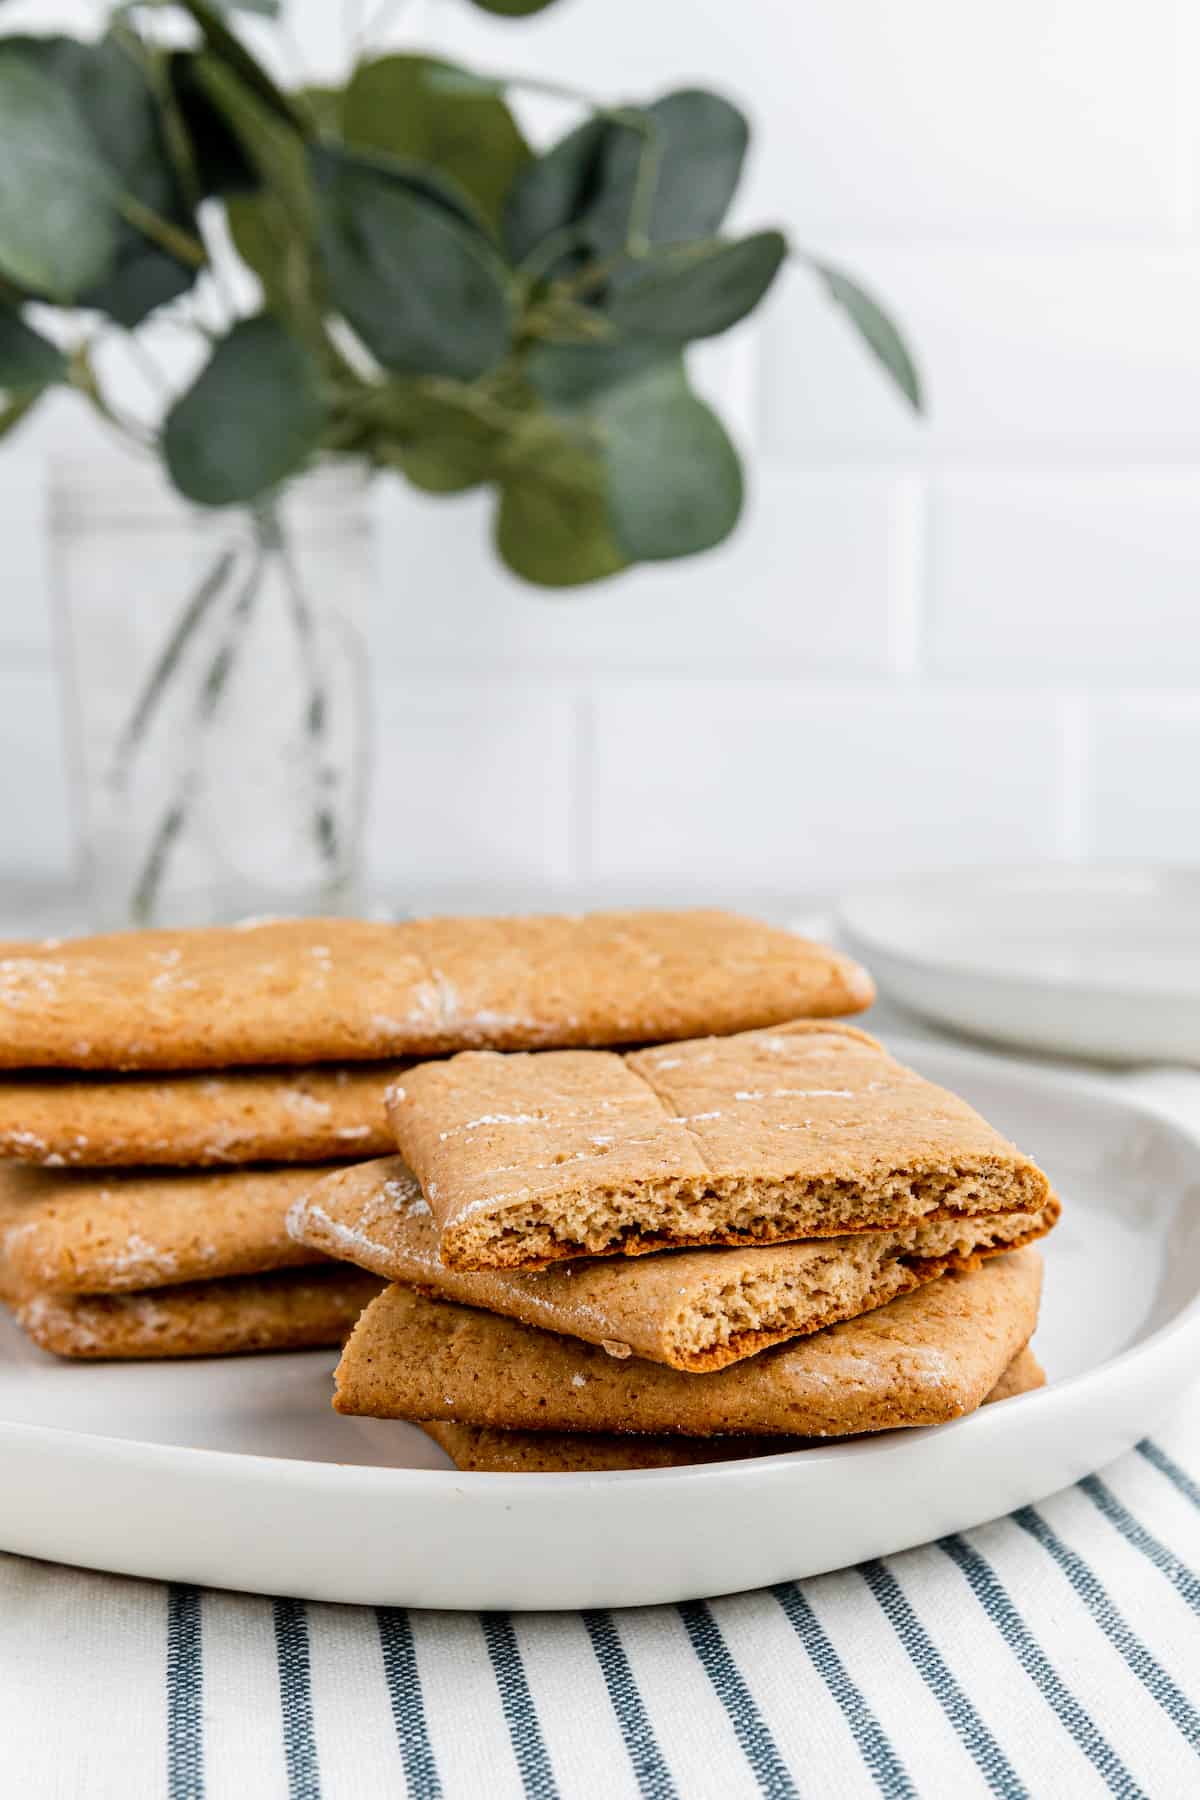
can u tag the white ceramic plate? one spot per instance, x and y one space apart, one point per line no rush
237 1474
1097 962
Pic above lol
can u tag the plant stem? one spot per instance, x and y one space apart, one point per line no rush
316 712
195 610
172 238
205 709
645 187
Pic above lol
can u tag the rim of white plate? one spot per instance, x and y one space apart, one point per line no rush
862 936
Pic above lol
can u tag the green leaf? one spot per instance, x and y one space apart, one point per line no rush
878 330
452 78
27 359
392 105
552 525
264 245
58 227
324 104
697 291
556 189
115 98
573 378
252 418
114 102
441 447
674 480
425 293
513 9
701 142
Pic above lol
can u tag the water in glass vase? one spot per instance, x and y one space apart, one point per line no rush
217 694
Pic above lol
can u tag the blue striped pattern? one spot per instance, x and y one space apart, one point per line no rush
1158 1459
977 1740
520 1716
1025 1728
295 1700
403 1678
1181 1577
731 1690
650 1771
1114 1626
885 1766
185 1696
998 1605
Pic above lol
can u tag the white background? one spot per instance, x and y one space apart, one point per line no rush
974 639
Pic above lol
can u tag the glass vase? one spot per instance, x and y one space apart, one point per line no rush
217 704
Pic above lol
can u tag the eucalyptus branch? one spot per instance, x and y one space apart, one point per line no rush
177 242
470 400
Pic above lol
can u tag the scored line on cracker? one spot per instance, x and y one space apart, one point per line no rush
805 1130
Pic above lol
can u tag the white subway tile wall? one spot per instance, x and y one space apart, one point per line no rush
970 639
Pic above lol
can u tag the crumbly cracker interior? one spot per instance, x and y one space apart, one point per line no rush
837 1282
652 1215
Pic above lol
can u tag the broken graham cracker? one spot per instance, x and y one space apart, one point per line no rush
295 1309
692 1309
1022 1376
805 1130
196 1120
332 990
930 1356
488 1449
71 1232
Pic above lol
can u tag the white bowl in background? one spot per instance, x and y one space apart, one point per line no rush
1101 962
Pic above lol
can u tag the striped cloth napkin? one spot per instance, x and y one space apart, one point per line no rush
1056 1652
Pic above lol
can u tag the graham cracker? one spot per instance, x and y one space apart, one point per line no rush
486 1449
196 1120
291 1310
930 1356
805 1130
697 1310
71 1232
331 990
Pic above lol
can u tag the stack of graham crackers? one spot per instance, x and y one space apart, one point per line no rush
178 1090
699 1250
